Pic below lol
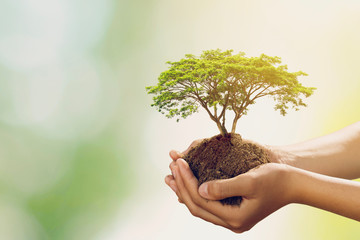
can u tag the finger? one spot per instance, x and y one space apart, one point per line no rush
220 189
230 216
196 211
192 145
171 165
239 218
169 180
172 182
251 214
173 186
175 155
191 185
193 208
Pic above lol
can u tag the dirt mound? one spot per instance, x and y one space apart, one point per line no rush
222 157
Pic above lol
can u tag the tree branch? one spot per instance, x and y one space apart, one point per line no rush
204 105
225 105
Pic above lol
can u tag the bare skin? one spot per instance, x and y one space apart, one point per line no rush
308 173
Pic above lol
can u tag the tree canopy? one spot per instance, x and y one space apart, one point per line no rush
220 81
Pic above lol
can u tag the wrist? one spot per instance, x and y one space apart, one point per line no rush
279 154
285 190
293 184
300 182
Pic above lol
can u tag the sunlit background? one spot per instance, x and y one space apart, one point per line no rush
82 153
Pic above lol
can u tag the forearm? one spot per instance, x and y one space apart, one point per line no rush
328 193
336 154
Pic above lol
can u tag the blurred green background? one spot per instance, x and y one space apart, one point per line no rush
82 154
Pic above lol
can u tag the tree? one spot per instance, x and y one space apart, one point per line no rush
219 81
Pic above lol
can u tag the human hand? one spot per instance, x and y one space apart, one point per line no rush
302 178
264 190
176 154
170 181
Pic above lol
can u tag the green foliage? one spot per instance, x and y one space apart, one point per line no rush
220 81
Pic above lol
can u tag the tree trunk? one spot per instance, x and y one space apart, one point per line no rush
234 124
222 129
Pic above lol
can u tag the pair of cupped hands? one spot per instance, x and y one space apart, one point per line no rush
264 190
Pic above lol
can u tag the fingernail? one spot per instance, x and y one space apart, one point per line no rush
172 154
203 190
180 162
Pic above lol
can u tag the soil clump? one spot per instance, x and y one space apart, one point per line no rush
222 157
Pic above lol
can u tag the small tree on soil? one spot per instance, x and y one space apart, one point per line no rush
219 81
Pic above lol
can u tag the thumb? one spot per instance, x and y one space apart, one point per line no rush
220 189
